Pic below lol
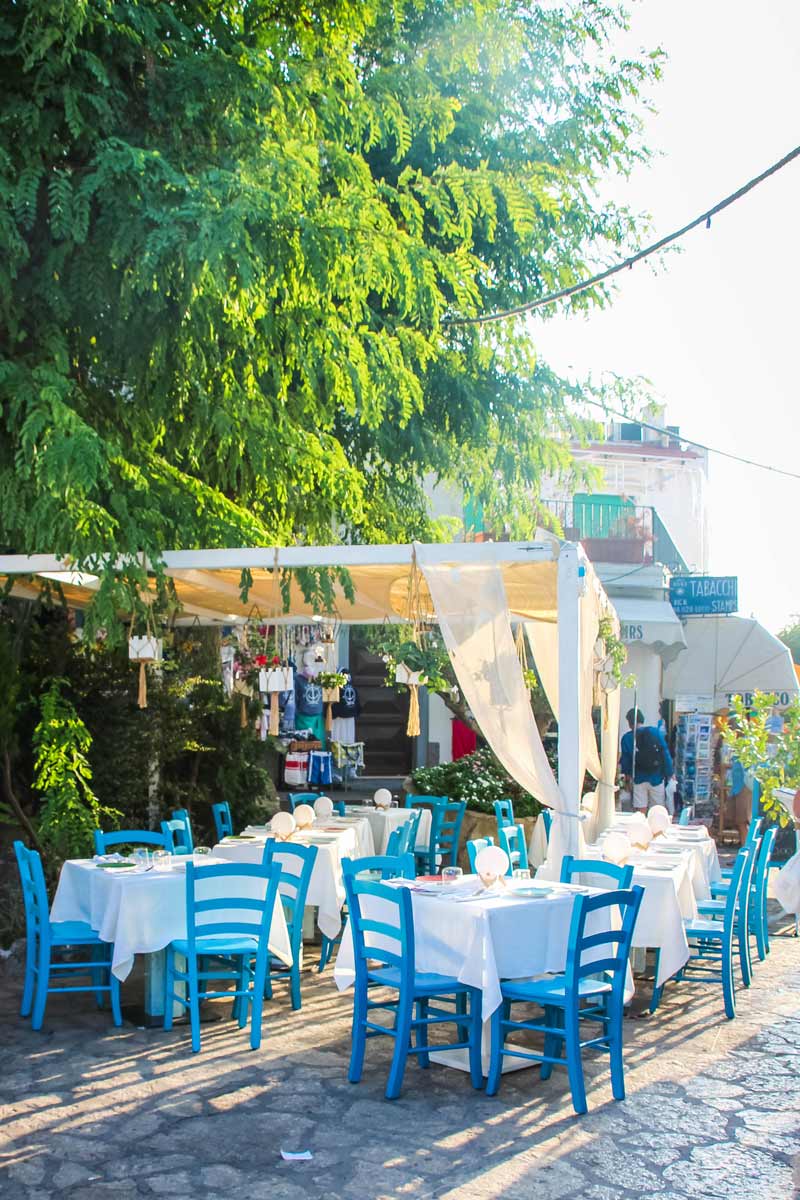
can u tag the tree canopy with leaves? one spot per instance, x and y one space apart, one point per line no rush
235 235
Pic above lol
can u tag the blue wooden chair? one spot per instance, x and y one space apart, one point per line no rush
449 833
43 936
474 848
389 940
757 909
426 859
296 864
395 842
103 842
753 830
296 798
229 912
547 819
223 821
621 877
390 865
711 941
504 813
590 989
511 838
178 830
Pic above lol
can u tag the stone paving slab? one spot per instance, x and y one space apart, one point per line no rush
93 1113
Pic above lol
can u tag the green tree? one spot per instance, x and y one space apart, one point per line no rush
233 238
70 811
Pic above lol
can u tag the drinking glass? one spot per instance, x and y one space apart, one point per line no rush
199 853
141 858
162 860
451 874
521 873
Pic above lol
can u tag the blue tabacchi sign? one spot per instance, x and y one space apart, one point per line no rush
704 595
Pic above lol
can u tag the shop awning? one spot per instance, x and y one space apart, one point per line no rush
728 655
650 623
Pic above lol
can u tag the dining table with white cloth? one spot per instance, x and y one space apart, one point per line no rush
516 930
335 838
669 900
694 842
142 910
383 821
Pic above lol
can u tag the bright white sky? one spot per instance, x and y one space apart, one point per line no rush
716 329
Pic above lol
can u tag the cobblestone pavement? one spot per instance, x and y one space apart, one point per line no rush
91 1112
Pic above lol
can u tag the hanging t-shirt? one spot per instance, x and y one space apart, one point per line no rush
348 704
308 697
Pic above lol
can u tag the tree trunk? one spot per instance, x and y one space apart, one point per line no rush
19 812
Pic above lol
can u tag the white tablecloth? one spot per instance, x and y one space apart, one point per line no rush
786 886
668 899
326 888
384 820
704 868
482 941
140 912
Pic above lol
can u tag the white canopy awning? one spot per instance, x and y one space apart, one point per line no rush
731 655
650 623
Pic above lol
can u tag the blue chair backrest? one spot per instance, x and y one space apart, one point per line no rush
761 872
504 812
178 836
683 816
511 838
34 893
296 798
423 801
737 901
223 821
296 864
607 951
447 831
387 938
234 898
753 830
390 866
547 818
340 807
394 842
412 824
474 848
103 842
622 877
182 814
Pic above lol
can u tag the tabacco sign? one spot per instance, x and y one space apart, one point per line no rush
704 595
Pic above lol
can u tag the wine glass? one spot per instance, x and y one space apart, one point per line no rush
451 874
141 857
199 854
162 860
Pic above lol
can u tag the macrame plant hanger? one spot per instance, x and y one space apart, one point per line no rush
417 617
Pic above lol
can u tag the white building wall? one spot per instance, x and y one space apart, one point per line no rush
645 665
440 727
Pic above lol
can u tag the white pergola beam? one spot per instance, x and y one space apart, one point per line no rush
293 557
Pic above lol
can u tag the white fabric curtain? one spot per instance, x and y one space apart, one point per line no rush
472 610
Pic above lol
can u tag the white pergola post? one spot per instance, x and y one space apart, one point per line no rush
571 583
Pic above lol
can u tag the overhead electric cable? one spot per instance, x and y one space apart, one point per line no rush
750 462
582 286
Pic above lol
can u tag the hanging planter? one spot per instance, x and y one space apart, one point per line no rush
276 680
144 650
330 682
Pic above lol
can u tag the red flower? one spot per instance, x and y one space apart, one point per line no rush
276 661
261 660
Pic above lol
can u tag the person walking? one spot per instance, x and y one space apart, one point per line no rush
646 762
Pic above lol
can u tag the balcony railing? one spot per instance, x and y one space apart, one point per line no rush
615 531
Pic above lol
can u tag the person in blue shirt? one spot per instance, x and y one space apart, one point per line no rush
647 770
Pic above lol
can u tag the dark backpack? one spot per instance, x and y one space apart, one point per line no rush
649 752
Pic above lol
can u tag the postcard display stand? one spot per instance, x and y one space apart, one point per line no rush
694 758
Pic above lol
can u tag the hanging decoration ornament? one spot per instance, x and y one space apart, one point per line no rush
143 650
331 682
